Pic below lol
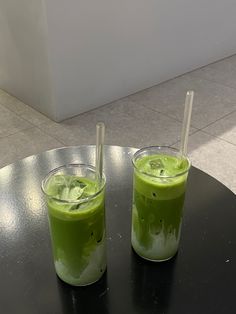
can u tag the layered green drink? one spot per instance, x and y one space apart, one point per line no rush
76 211
160 176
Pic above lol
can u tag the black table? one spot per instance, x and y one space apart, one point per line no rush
200 279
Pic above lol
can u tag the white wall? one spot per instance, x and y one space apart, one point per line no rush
24 68
103 50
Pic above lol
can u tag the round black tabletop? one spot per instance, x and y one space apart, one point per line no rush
199 279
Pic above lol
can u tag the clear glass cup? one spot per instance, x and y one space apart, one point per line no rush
76 212
159 184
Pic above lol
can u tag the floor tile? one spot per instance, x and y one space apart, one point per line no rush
136 128
25 143
212 101
215 157
19 108
10 123
223 72
224 128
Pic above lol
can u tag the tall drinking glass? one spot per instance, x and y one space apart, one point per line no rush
76 211
159 184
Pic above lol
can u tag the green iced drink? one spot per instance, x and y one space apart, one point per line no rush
76 212
158 196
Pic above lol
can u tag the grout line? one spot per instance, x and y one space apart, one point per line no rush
194 132
43 131
217 137
175 119
193 126
212 81
226 115
22 117
52 136
6 136
166 115
16 114
29 128
213 136
27 107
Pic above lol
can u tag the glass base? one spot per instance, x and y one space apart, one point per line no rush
155 260
77 284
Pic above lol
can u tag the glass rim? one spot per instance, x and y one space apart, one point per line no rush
79 201
138 152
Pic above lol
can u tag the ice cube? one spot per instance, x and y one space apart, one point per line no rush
55 185
75 193
65 193
77 182
58 180
71 194
156 164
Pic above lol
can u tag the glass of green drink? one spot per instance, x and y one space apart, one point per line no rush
76 211
159 183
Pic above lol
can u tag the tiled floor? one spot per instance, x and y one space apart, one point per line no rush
150 117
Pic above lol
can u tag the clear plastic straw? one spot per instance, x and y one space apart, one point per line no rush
100 134
186 123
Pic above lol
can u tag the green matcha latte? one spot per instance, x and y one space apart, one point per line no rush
76 212
159 184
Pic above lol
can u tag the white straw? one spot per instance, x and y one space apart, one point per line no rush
100 134
186 122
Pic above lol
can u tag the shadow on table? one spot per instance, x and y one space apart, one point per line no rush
152 284
86 300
